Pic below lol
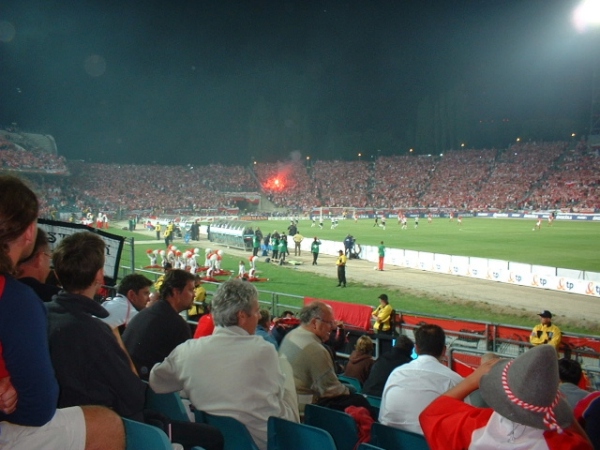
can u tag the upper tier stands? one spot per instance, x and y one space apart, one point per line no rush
528 175
14 157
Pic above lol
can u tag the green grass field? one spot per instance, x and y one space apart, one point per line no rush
566 244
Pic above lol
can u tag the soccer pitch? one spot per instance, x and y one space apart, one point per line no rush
567 244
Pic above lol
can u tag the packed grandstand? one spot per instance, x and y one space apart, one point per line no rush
525 176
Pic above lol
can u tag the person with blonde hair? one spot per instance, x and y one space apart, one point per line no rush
361 359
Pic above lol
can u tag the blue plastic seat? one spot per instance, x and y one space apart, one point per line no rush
286 435
341 426
390 438
168 404
141 436
350 381
235 433
365 446
374 401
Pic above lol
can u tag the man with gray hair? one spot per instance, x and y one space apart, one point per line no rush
253 382
314 373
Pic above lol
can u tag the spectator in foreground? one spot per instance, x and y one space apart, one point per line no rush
314 373
34 270
206 324
233 372
475 397
91 366
569 373
133 294
361 360
31 419
587 413
400 354
411 387
526 409
262 329
155 331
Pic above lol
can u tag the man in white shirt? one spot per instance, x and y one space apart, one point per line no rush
132 296
412 387
233 372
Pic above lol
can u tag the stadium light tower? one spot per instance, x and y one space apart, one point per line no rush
586 17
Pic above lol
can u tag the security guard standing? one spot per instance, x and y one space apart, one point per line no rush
341 268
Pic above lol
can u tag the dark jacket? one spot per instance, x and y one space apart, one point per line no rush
152 334
24 338
382 369
43 290
90 365
359 366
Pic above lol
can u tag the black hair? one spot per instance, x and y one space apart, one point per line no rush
569 371
430 340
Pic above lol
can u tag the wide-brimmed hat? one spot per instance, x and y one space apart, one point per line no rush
525 390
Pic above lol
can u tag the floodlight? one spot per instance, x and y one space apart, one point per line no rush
587 15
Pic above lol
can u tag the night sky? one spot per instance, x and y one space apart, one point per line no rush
178 82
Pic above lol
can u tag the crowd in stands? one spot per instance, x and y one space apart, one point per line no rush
400 181
287 184
154 188
16 158
516 171
524 176
574 182
341 183
457 178
220 178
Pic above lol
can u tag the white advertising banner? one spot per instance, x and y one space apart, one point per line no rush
522 274
57 231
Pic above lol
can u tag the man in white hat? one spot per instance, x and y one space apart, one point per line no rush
526 409
546 332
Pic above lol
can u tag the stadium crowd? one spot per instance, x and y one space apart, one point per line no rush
574 182
524 176
287 184
14 157
326 176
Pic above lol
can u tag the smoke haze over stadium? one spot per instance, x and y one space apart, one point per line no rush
194 82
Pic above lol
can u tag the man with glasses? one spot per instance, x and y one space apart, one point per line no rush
314 372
